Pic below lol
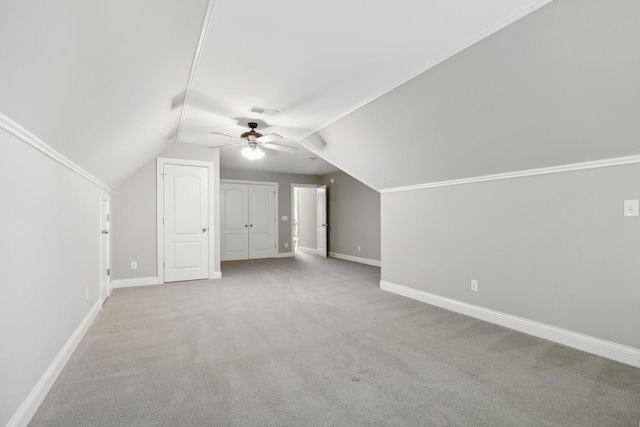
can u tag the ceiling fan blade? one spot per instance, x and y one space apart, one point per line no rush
224 134
279 147
268 138
229 145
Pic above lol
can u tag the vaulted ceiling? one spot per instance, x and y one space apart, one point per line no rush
390 92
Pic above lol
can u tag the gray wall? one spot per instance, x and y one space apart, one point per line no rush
134 225
284 181
49 255
307 217
551 248
134 234
354 217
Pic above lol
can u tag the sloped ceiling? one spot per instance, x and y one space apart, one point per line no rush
111 84
559 86
95 80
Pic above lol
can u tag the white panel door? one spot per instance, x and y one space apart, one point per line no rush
186 228
234 208
105 267
261 221
322 220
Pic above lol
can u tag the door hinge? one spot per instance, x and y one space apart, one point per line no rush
108 217
108 272
162 264
163 220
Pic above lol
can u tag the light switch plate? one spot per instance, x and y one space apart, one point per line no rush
285 218
630 208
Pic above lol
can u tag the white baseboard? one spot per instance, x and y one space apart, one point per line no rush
284 255
312 250
367 261
27 410
608 349
139 281
217 275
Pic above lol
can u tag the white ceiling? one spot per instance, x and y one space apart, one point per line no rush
109 84
315 61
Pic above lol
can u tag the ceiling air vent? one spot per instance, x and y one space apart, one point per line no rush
262 110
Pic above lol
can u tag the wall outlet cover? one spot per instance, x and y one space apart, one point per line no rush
474 285
631 208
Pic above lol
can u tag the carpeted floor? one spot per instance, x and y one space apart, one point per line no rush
314 342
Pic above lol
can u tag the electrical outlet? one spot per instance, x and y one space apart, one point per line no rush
286 245
474 285
359 248
87 293
134 265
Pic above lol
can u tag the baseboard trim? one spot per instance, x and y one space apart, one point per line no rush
217 275
284 255
312 250
132 283
28 409
608 349
367 261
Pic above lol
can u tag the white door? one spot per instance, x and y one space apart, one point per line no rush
105 267
261 221
186 228
322 220
234 207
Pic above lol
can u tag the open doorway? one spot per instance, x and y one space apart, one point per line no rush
308 225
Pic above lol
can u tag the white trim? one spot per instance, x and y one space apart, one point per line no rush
608 349
618 161
447 55
217 275
30 405
132 283
160 162
284 255
194 64
28 138
367 261
304 248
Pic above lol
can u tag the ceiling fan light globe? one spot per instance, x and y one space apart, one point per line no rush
253 153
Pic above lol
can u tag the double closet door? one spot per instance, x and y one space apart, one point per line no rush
247 221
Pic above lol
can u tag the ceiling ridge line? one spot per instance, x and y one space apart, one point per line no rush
515 17
194 64
30 139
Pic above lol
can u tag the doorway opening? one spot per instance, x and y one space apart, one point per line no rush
309 225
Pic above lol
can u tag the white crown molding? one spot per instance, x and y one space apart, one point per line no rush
194 64
608 349
524 12
28 138
368 261
30 405
618 161
132 283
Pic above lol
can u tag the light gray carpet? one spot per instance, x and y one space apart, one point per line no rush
312 341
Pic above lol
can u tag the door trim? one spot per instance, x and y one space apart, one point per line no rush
213 249
275 184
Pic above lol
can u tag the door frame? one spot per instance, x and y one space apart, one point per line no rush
214 249
293 185
275 185
106 199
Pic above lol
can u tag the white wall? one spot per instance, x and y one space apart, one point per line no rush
49 256
307 217
553 248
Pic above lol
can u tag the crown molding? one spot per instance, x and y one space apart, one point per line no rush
28 138
618 161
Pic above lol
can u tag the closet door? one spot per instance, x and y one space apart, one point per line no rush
234 206
262 221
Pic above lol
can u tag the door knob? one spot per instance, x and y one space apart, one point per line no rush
204 230
105 231
250 225
246 225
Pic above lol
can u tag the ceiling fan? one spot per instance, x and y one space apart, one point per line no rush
256 140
